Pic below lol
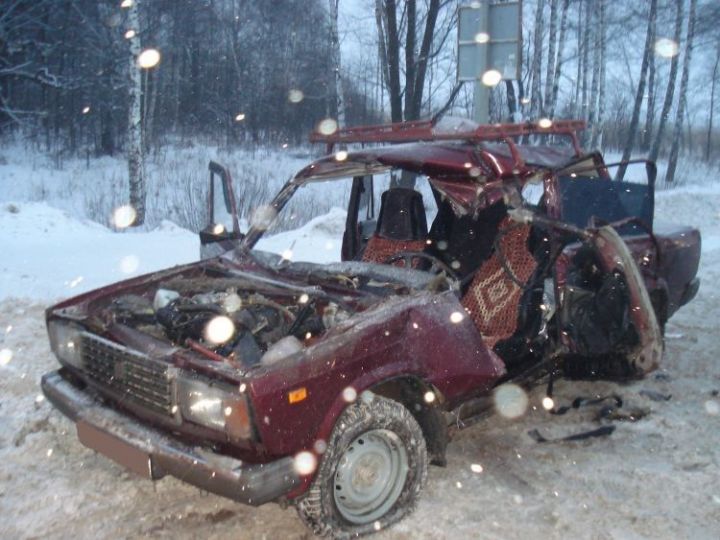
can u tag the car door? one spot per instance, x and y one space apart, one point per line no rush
590 196
222 232
616 220
361 218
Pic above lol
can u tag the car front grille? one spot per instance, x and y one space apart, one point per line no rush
128 374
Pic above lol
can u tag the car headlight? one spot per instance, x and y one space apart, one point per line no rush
65 342
215 407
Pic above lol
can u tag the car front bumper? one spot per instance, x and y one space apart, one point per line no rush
153 454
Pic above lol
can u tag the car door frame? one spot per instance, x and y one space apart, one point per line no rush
213 242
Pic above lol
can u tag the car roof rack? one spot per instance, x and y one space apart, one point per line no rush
425 130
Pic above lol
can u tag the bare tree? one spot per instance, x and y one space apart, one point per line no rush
602 90
135 147
536 103
557 72
586 31
670 91
650 110
415 62
632 130
682 102
24 51
712 102
551 62
335 62
595 84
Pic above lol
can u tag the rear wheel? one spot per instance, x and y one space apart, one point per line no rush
372 472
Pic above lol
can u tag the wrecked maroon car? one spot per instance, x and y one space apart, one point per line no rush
331 387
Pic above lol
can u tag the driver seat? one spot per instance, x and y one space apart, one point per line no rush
401 226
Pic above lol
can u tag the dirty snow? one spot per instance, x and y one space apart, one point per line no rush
653 478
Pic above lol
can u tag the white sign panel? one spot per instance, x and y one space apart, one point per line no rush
489 37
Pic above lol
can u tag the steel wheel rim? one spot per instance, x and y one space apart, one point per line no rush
370 476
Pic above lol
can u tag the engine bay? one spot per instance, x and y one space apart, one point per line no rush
223 321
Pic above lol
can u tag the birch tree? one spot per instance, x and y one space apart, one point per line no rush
335 62
585 61
650 110
579 56
550 69
682 103
598 134
712 102
632 130
595 83
557 71
135 146
536 102
670 91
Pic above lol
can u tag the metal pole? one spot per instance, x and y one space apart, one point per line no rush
482 103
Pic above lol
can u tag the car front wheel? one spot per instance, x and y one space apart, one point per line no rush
371 473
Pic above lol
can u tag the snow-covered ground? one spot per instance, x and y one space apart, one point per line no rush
48 255
656 477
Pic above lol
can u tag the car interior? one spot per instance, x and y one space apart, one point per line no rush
495 260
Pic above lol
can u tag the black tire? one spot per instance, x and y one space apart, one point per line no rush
317 507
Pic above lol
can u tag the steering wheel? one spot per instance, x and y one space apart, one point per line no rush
407 257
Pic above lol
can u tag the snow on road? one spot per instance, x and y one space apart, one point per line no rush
656 477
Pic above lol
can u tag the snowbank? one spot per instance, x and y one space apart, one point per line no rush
47 254
319 240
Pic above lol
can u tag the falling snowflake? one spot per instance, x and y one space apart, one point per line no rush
149 58
491 77
305 463
511 401
349 394
219 330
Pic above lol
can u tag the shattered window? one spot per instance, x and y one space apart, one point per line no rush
311 226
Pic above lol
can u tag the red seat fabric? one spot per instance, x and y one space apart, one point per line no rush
379 249
493 298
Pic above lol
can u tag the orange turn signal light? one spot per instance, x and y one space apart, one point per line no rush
297 395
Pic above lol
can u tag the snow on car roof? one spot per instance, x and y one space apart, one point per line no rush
463 162
462 171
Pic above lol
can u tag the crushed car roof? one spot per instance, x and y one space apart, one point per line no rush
466 162
436 159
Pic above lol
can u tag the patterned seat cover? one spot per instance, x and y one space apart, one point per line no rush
493 298
379 249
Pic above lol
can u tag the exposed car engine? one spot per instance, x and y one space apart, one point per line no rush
240 325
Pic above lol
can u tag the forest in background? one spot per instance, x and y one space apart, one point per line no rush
249 73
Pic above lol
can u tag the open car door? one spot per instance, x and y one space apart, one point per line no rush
607 320
361 218
222 232
588 195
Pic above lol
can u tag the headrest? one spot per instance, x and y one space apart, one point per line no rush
402 215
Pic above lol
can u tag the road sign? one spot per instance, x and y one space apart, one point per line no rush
489 37
489 47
